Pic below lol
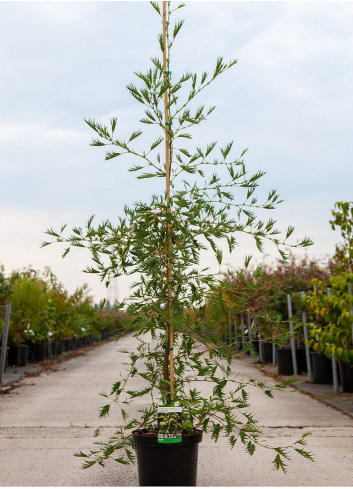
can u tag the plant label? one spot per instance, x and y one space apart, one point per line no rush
169 424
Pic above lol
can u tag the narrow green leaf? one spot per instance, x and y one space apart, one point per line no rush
135 135
111 155
104 411
177 27
156 7
88 464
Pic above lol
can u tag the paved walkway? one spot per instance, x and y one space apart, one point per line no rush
343 401
48 417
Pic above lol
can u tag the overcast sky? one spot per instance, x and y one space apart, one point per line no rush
289 100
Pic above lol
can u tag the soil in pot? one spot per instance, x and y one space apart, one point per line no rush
346 374
18 355
321 367
162 464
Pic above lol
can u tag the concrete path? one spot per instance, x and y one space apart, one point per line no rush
48 417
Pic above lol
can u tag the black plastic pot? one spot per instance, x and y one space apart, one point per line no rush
346 373
284 361
59 347
18 355
321 367
55 348
266 352
161 464
36 352
67 344
301 360
77 341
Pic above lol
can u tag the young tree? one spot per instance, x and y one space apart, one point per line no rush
161 241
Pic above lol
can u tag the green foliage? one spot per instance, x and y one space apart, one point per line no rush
332 330
331 302
343 220
42 310
205 209
28 303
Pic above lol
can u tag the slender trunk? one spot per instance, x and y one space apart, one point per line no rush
170 333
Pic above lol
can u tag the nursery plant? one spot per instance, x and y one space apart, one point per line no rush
207 198
262 292
28 318
332 331
282 278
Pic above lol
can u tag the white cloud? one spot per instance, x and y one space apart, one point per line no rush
62 12
33 135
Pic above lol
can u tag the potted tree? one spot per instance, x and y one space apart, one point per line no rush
25 297
30 322
161 241
332 331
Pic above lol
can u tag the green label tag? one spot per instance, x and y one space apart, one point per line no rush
169 424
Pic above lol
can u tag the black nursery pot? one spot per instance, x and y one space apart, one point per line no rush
55 347
301 360
346 373
18 355
37 352
161 464
322 368
67 344
284 361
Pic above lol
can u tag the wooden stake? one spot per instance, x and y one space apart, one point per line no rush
169 230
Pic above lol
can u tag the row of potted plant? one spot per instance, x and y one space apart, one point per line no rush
323 291
46 320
